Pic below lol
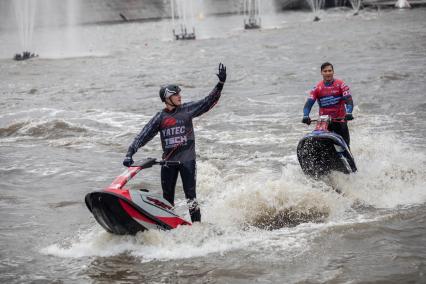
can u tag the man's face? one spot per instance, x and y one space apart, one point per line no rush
327 73
176 99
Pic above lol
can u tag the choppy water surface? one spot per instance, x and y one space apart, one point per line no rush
66 122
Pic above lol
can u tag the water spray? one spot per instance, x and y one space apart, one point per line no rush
316 6
251 10
25 15
356 6
182 11
402 4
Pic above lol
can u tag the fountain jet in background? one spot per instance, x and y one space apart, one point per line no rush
46 25
251 10
316 6
402 4
25 16
182 18
356 6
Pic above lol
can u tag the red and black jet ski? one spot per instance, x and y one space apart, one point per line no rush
323 151
124 211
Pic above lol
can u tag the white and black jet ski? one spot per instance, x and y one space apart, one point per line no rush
121 210
323 151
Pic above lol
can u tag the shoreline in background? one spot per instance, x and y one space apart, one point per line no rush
116 11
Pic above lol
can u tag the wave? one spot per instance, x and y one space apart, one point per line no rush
12 129
53 129
272 218
394 76
269 201
72 129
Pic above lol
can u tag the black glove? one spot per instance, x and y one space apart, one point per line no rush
307 120
128 161
349 116
222 73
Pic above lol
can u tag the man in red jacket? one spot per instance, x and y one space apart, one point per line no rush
334 99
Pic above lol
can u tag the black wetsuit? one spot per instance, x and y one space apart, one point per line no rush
178 142
342 129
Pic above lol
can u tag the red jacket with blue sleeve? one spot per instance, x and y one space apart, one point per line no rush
334 99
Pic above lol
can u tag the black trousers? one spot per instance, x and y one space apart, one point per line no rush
342 129
188 174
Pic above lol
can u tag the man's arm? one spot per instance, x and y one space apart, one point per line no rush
202 106
349 103
148 132
308 106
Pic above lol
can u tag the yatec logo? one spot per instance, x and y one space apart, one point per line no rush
173 131
174 142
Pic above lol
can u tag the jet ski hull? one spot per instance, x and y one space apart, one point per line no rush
121 216
125 211
319 153
111 215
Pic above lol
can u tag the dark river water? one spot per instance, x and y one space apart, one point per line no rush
67 118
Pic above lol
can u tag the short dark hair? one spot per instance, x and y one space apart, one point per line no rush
325 64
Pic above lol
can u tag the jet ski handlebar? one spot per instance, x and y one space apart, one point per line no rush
168 163
149 162
338 119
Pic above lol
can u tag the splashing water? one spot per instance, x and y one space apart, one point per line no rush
183 19
391 174
402 4
356 5
52 22
251 10
316 6
25 15
251 207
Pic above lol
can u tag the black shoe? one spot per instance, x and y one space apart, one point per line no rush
195 215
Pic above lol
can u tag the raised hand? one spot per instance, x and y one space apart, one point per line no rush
222 73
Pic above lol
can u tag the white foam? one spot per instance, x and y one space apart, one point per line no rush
240 200
390 172
184 242
92 243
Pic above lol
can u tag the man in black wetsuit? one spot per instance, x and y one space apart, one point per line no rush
174 123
